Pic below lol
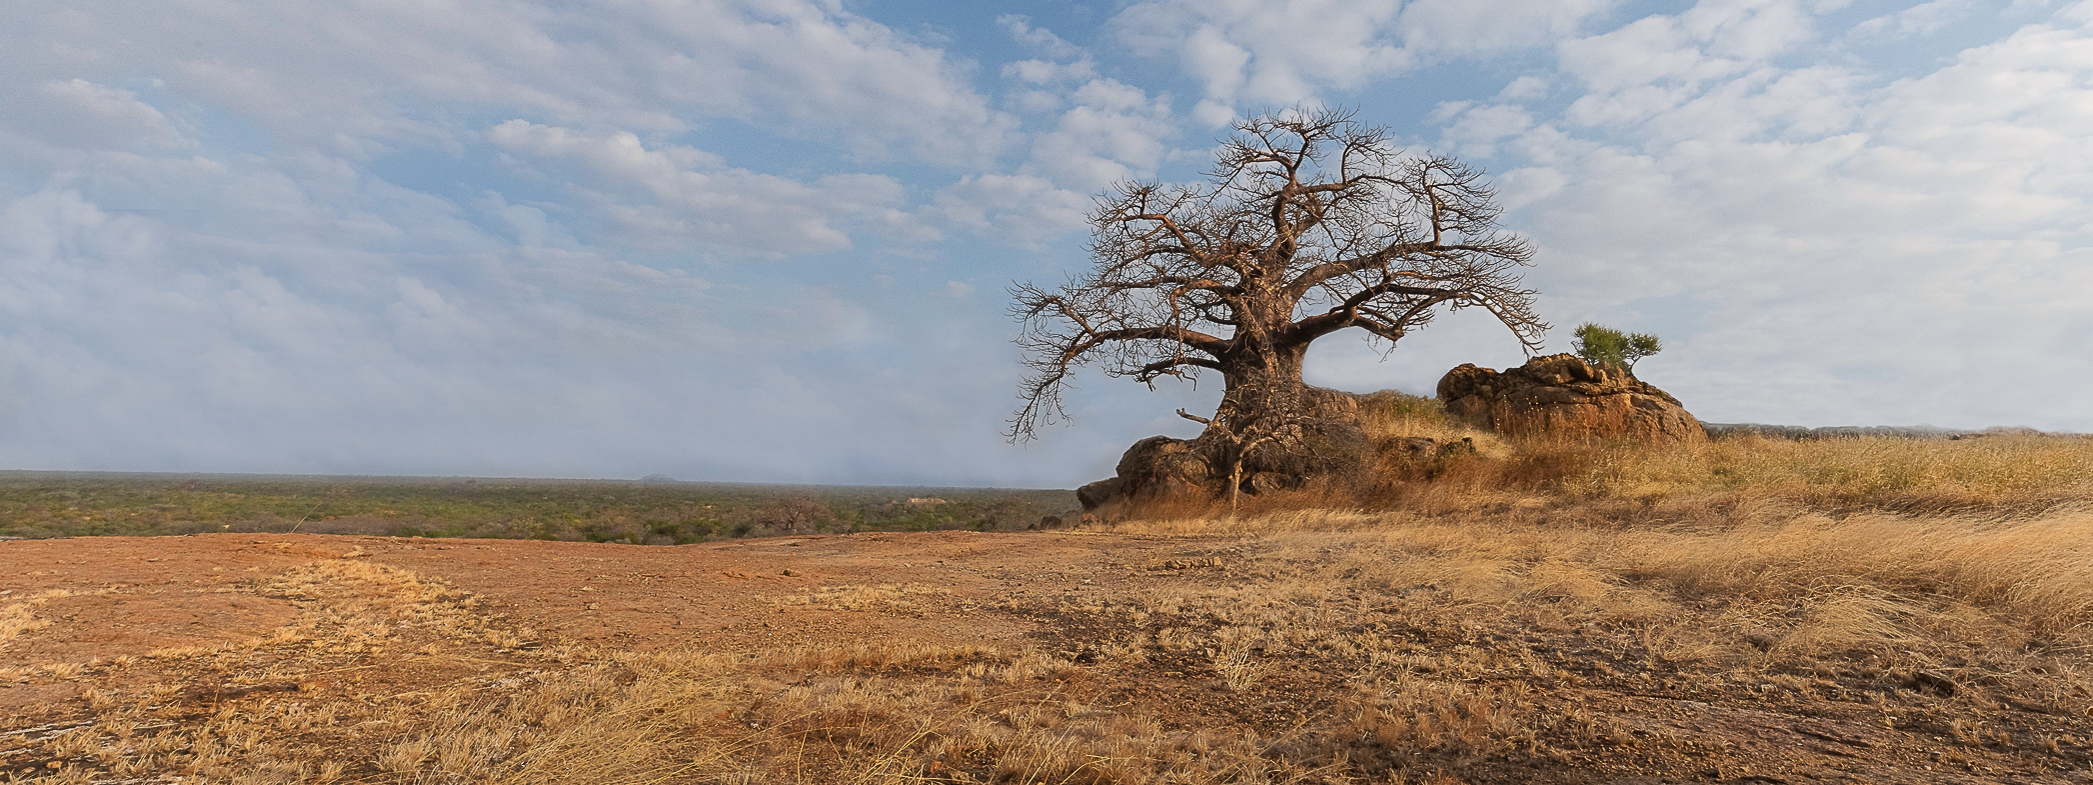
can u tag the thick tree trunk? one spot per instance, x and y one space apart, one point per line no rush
1264 387
1270 420
1265 396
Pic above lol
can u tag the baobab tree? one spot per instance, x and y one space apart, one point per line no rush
1309 223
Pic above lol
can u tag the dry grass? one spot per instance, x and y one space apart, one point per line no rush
891 597
1937 621
274 709
1641 484
1518 621
2012 472
1917 576
20 616
871 717
1837 571
2009 473
1390 414
1340 647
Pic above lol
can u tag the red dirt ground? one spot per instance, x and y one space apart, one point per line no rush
132 596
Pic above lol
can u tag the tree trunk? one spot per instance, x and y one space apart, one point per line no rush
1264 388
1264 394
1270 420
1235 483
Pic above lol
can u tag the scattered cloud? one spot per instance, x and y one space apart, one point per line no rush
1817 235
76 113
509 236
1919 19
1297 50
361 78
1025 209
681 197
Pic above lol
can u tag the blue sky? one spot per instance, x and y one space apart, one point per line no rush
770 240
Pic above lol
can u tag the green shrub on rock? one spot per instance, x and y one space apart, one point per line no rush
1606 345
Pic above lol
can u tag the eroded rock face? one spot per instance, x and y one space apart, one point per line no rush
1160 468
1154 468
1562 396
1097 493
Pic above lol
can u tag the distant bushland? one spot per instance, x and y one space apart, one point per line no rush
56 504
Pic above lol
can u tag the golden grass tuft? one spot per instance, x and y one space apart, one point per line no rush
20 616
889 596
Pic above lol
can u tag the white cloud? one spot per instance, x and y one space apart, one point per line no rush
1288 52
386 237
1048 72
1103 132
1919 19
1039 38
1114 132
1275 52
1466 27
397 237
1656 64
1478 130
303 354
1525 88
359 78
1822 245
1017 208
675 196
76 113
1111 133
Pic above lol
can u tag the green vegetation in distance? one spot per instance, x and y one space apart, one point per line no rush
1605 345
58 504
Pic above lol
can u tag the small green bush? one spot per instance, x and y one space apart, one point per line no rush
1607 346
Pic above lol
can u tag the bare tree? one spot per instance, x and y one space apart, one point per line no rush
1309 223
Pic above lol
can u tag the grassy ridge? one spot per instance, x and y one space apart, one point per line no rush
51 504
2016 474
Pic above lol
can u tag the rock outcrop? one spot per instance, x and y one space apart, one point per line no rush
1562 396
1161 467
1155 467
1096 494
1334 450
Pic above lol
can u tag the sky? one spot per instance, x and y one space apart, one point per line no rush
772 240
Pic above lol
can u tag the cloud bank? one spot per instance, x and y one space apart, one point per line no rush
768 240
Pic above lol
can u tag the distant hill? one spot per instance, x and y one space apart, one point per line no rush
1718 430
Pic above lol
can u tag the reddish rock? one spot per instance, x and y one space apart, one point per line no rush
1562 396
1161 467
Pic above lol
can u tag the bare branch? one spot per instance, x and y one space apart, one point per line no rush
1308 223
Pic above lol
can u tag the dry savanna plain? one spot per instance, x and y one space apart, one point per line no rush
1743 611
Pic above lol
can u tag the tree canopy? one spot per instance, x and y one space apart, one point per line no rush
1309 223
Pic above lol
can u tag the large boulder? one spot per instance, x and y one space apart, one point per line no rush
1332 448
1562 396
1155 468
1096 494
1161 467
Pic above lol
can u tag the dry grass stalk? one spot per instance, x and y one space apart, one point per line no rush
20 616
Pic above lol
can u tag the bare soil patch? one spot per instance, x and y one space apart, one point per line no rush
966 657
